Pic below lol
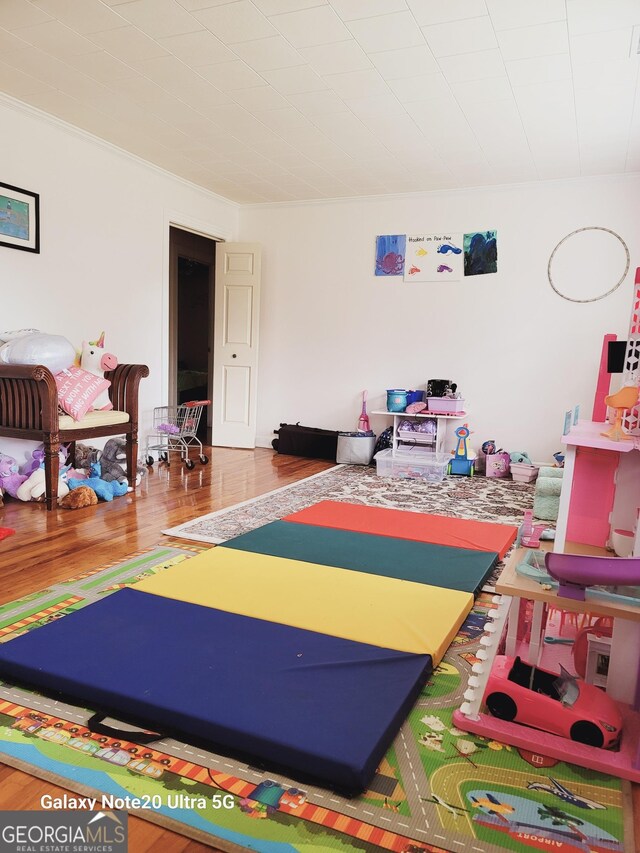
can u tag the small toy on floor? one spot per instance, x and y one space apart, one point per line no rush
10 479
78 498
104 490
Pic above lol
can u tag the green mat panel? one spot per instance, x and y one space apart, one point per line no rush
438 565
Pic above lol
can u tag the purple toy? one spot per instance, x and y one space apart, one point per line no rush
38 458
10 479
575 572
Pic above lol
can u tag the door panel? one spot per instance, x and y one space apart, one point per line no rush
236 344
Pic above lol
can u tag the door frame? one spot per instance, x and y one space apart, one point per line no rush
212 231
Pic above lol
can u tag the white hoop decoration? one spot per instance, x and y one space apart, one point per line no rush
608 292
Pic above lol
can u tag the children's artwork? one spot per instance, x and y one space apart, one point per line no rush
434 257
480 252
390 251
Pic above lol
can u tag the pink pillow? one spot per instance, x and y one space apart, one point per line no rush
77 390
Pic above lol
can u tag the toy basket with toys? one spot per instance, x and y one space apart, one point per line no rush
175 428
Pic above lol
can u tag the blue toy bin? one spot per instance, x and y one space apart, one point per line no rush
415 397
396 400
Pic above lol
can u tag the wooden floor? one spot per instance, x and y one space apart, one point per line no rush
52 546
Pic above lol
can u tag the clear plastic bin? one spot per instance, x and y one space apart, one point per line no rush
412 463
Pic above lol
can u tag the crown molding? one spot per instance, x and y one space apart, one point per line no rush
87 136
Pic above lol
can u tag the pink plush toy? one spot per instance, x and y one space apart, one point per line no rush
95 359
10 479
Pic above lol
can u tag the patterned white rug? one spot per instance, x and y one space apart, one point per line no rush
481 498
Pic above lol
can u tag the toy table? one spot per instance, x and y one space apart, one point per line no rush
600 487
439 443
621 684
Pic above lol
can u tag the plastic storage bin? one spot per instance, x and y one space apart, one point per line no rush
412 463
396 400
445 405
523 473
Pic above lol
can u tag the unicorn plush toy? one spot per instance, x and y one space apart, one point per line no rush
95 359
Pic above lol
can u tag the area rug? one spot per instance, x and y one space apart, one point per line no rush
480 498
438 788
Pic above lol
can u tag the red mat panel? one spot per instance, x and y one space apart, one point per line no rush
418 526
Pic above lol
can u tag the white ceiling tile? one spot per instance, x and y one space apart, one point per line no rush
260 98
21 13
596 16
128 44
472 66
511 14
228 76
10 42
336 58
468 36
20 85
377 106
386 32
84 16
54 72
172 75
409 62
56 38
101 66
292 81
481 91
539 69
356 84
268 54
195 5
434 12
198 48
601 47
601 78
278 7
350 10
236 22
318 103
420 88
539 40
309 27
158 18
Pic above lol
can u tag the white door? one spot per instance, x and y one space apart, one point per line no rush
235 357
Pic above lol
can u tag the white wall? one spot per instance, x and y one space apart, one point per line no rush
103 261
521 354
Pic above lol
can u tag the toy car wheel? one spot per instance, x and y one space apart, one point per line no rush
204 459
189 464
586 732
502 706
150 460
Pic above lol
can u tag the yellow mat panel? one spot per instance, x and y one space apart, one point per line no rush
394 614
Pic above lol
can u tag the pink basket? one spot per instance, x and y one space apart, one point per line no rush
497 464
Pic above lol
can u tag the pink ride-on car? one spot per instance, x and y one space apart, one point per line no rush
560 704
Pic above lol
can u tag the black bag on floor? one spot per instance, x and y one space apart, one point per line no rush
311 442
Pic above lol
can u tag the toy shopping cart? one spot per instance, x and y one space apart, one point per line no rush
175 428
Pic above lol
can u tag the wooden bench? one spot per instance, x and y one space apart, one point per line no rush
29 410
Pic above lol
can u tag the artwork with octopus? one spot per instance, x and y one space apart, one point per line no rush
390 252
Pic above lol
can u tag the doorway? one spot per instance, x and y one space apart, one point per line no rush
191 322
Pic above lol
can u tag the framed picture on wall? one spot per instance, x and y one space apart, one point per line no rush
19 218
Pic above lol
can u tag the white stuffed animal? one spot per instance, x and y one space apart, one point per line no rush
95 359
34 488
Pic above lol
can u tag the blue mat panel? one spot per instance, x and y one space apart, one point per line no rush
438 565
314 706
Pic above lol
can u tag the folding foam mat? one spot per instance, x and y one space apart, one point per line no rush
419 526
304 702
439 565
394 614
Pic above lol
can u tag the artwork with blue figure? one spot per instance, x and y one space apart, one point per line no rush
390 252
480 252
104 490
448 248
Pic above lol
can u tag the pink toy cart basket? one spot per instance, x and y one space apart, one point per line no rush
175 428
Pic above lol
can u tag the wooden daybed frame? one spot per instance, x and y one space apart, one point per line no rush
29 409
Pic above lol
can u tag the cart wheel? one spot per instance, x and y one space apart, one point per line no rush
204 459
163 457
150 460
190 464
